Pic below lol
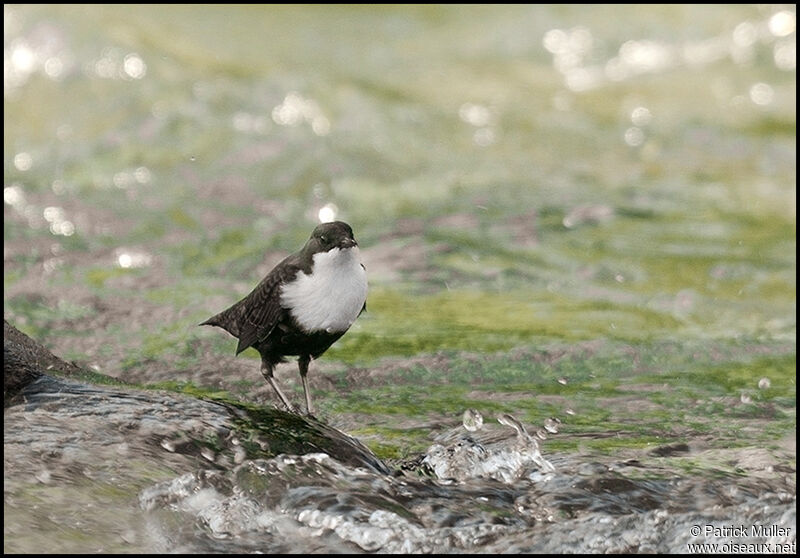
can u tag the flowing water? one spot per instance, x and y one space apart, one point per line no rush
579 227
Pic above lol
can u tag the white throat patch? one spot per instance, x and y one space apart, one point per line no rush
331 298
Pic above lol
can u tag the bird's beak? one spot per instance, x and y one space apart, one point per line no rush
347 243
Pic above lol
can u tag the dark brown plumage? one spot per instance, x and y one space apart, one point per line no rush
266 319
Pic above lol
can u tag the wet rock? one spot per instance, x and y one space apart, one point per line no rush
24 360
33 353
218 432
74 450
164 425
670 450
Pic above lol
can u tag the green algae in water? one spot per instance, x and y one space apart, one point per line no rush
407 324
607 396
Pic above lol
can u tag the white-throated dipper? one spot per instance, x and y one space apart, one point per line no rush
307 302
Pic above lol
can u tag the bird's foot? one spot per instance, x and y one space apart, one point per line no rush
291 408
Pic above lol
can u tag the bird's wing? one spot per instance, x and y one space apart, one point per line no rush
261 309
254 317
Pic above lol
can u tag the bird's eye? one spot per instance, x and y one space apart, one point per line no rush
323 239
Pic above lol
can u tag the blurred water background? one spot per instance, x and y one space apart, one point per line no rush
579 212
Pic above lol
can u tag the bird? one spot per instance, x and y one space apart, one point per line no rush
303 306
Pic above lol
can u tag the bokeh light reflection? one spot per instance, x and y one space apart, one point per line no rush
641 116
59 224
782 24
23 161
761 94
296 109
785 55
134 67
745 34
327 213
13 196
573 49
634 136
131 259
475 114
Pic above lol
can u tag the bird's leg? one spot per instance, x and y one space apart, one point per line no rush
266 371
302 363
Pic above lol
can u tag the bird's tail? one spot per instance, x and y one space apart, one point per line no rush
227 320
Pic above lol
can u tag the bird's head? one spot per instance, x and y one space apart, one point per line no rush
327 236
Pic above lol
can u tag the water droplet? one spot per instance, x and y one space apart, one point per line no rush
208 453
128 536
168 445
508 420
551 425
472 420
43 476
